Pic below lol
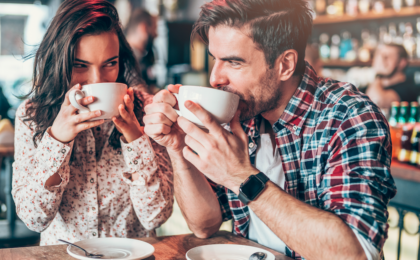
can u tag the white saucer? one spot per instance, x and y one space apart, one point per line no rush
112 248
225 252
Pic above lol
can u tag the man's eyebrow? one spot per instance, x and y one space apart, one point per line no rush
230 58
86 62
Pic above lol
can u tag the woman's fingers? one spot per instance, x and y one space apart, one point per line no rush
82 117
67 99
124 113
87 101
88 125
129 104
120 124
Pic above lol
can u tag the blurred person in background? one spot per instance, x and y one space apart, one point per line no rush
391 82
75 177
313 58
4 105
141 31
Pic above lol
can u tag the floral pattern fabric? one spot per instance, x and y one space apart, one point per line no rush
97 197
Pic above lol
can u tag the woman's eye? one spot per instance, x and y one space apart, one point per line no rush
79 66
111 64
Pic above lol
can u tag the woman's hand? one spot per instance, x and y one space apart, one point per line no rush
127 123
69 123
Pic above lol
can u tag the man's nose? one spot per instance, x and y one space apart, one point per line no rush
218 77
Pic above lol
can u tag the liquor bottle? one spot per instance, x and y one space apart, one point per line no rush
407 131
351 8
324 49
335 49
414 116
394 129
345 45
409 41
320 7
364 6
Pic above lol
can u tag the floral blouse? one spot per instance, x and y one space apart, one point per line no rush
96 197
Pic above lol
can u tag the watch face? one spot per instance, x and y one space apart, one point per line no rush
252 187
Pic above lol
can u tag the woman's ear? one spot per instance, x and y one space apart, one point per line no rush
286 64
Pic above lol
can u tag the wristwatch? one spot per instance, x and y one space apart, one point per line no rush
252 187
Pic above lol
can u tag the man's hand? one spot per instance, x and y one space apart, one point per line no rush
160 120
223 157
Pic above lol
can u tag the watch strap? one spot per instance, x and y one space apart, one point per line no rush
242 197
262 177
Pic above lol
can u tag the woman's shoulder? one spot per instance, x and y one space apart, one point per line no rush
21 111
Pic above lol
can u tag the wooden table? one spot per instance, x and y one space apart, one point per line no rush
173 247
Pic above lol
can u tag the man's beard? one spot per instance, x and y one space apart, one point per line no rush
268 99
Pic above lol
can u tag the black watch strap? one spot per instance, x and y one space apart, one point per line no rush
243 197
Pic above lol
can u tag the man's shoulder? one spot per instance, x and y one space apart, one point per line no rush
342 98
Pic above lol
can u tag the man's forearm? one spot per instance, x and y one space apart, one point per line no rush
312 232
197 201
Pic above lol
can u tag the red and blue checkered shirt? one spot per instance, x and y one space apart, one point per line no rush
335 149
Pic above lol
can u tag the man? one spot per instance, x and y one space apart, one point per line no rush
391 83
141 30
324 147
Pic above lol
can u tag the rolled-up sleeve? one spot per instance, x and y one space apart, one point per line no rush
358 185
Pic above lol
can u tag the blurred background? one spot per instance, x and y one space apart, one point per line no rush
373 44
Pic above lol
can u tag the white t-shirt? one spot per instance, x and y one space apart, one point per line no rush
271 165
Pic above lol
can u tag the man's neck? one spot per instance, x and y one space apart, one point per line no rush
289 88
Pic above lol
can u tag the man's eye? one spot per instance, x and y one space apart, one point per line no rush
111 64
233 63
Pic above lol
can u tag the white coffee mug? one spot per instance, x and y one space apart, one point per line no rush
221 104
108 96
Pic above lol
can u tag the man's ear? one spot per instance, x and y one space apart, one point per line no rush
403 64
286 64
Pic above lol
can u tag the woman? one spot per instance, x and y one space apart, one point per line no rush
73 178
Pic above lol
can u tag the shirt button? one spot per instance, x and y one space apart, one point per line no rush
129 149
55 164
136 162
295 128
63 151
251 145
94 234
93 208
98 129
92 180
90 152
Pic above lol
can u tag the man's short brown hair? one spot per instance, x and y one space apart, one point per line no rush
275 25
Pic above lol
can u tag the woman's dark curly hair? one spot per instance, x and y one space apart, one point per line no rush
55 56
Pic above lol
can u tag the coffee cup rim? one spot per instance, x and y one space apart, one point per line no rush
104 83
210 88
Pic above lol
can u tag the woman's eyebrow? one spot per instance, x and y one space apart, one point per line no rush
86 62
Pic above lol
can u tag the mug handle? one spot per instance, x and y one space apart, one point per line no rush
177 99
75 102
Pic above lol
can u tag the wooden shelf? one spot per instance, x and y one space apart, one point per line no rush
405 171
346 64
387 13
